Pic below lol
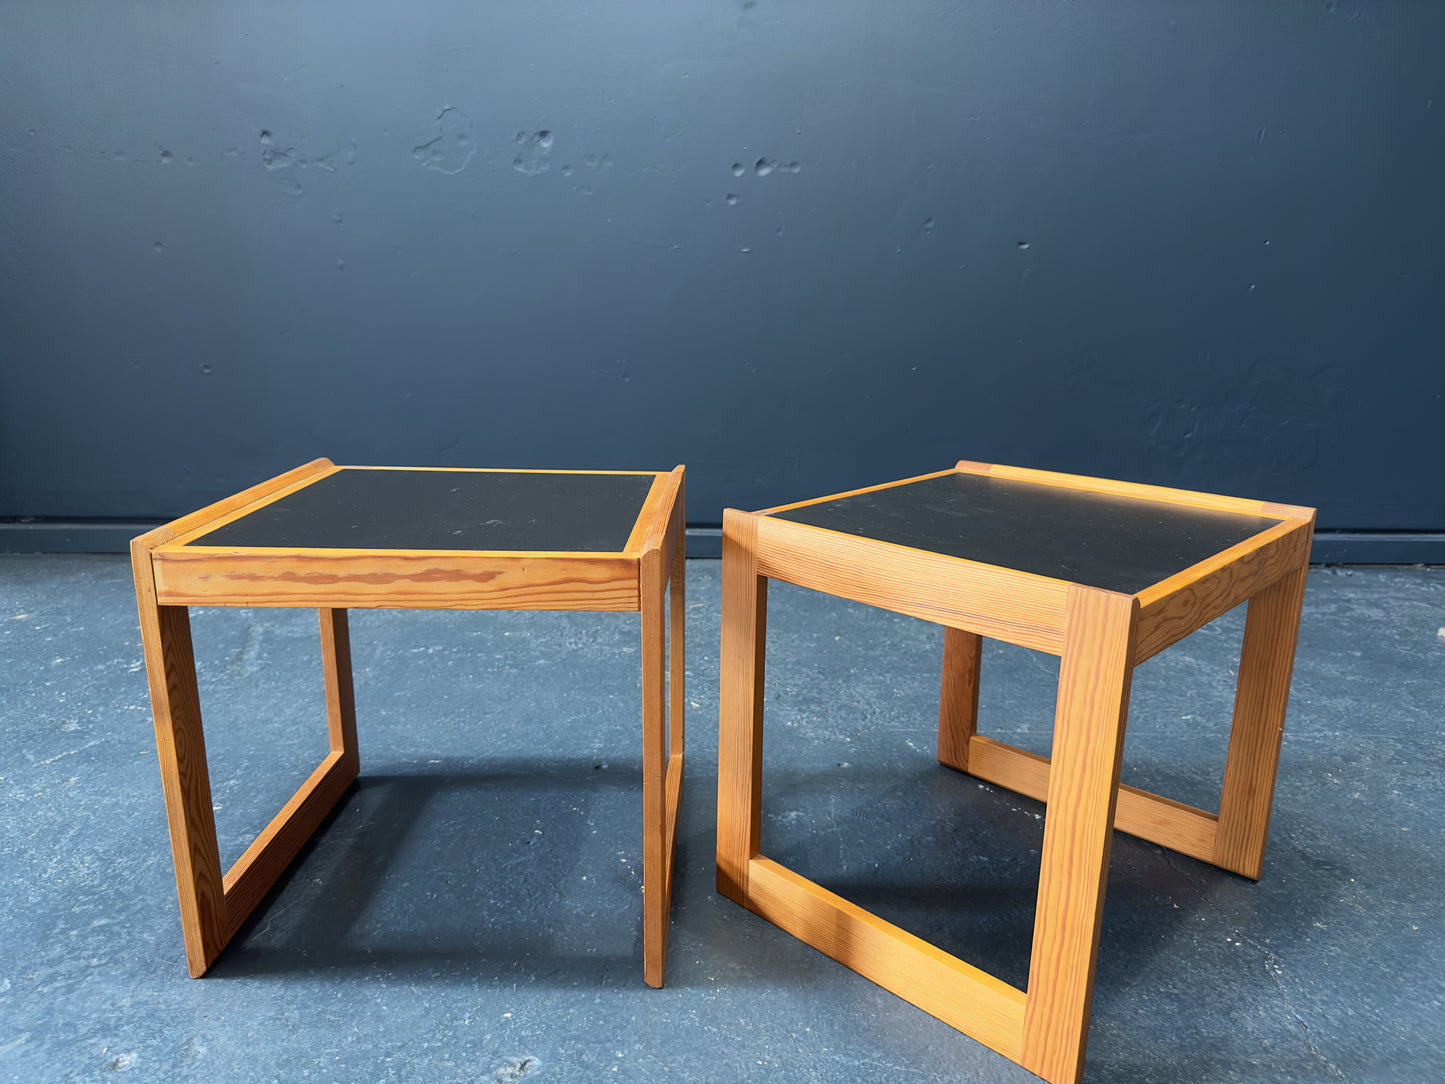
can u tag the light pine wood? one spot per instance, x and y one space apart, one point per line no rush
340 695
1093 703
362 579
664 488
667 525
185 779
677 676
1173 608
958 993
654 769
1149 816
740 712
213 906
958 702
1266 663
1014 606
662 575
1100 637
649 576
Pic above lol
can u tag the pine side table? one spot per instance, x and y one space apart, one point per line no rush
335 538
1103 574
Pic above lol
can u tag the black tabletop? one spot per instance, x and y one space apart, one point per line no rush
361 508
1098 540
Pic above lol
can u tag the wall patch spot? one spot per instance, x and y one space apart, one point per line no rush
533 158
272 157
764 166
454 144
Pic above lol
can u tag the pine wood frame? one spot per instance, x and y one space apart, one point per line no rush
1100 637
171 576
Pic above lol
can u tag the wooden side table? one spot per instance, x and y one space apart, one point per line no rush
1103 574
342 537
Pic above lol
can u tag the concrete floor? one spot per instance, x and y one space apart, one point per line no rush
472 911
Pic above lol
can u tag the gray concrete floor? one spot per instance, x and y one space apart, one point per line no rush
472 910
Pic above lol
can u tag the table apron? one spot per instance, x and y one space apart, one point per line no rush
193 577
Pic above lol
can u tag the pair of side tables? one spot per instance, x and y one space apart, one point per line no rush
1104 574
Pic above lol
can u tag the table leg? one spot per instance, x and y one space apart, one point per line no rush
663 735
740 738
1093 704
677 675
213 906
181 748
958 702
1266 663
340 697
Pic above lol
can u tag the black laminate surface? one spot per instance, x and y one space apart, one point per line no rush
361 508
1115 543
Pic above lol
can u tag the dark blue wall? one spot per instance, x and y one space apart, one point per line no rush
800 245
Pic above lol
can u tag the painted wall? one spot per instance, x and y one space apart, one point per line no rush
800 245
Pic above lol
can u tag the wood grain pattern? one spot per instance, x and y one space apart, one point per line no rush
1186 602
958 699
1266 664
1093 703
676 682
1101 636
740 710
662 593
1149 816
669 523
1014 606
662 487
361 579
171 576
677 631
959 994
185 779
340 695
654 769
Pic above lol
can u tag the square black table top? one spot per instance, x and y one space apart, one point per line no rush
392 509
1100 540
